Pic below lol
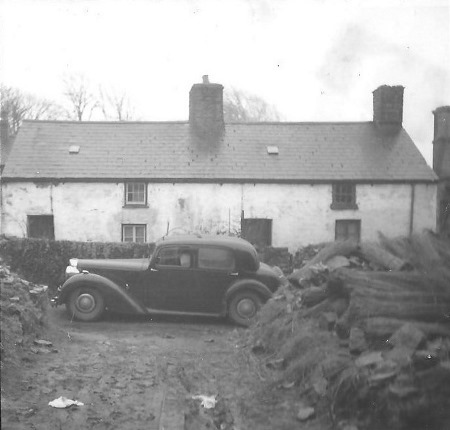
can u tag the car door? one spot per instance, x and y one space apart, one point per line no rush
215 271
170 280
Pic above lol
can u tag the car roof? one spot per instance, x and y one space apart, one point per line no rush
228 241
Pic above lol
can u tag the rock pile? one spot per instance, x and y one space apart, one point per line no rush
383 290
23 314
363 330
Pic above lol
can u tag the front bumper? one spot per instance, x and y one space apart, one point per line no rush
54 301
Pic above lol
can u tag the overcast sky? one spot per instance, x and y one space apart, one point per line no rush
314 60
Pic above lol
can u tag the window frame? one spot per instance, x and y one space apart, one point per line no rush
136 204
217 269
34 218
338 195
134 232
181 249
347 222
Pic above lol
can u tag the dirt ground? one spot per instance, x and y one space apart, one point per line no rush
136 373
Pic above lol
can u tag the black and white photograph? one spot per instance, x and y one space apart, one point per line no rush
225 215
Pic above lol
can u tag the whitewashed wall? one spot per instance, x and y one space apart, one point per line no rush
301 214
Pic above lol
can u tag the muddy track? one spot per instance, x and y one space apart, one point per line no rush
129 373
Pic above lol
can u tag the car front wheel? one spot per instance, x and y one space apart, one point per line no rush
85 304
243 307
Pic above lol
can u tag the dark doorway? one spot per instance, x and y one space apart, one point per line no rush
41 226
258 231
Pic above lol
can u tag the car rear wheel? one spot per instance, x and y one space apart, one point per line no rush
85 304
243 307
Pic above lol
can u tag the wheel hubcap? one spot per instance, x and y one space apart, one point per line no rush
85 302
246 308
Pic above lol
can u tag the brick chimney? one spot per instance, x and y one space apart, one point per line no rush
206 108
388 108
441 142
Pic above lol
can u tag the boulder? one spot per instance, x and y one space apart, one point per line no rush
381 377
370 359
408 337
320 385
379 256
357 341
305 413
403 386
327 320
337 261
313 295
400 355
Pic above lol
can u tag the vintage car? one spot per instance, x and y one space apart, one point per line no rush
218 275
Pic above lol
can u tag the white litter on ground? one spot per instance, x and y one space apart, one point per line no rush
64 402
208 402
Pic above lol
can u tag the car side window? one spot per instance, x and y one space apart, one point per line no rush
215 259
185 259
174 256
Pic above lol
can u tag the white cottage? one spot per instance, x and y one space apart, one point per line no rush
279 183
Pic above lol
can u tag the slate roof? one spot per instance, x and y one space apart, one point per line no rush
170 151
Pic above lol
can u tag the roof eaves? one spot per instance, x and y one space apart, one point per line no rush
285 123
49 121
224 180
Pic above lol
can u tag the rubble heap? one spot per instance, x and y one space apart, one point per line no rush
23 314
363 330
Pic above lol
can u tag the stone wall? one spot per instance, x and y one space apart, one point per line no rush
300 213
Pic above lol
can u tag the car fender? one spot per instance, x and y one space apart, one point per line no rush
246 284
107 287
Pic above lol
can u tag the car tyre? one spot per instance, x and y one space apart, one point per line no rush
85 304
243 307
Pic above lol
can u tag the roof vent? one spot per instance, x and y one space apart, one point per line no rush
74 149
272 150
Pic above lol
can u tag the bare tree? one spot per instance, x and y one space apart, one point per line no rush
17 106
116 105
239 106
82 99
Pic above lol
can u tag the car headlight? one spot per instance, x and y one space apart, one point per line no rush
72 268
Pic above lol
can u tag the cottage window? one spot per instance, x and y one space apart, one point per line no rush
348 229
134 232
135 193
344 196
41 226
